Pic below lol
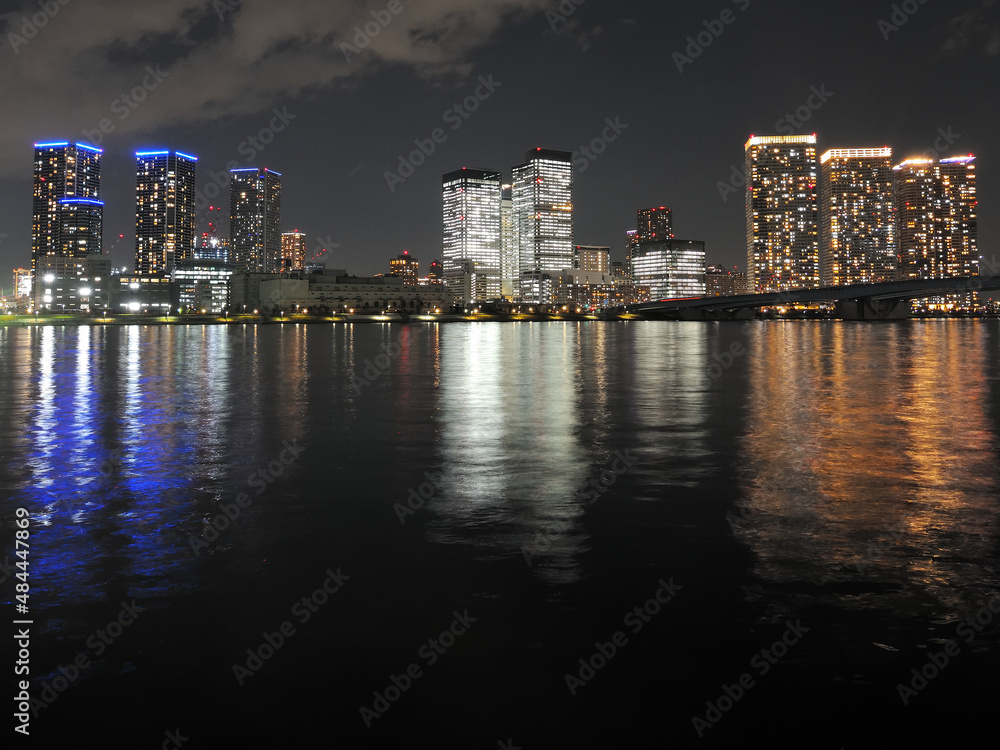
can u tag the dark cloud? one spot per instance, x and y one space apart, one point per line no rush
977 30
216 59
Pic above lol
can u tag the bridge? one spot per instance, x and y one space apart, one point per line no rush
884 301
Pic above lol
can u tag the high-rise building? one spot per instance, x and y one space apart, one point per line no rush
720 282
164 210
472 200
508 244
937 221
405 266
435 273
542 197
80 227
655 225
67 212
211 245
293 250
255 220
592 259
858 215
782 218
671 269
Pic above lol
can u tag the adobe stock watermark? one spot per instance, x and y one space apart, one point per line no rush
174 740
792 121
455 116
736 522
96 645
31 26
363 36
373 370
786 125
901 14
111 465
563 11
938 661
583 157
762 662
619 464
322 249
250 148
302 610
125 104
429 652
942 144
232 511
728 358
418 497
876 549
635 620
696 45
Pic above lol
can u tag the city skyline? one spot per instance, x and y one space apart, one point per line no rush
543 100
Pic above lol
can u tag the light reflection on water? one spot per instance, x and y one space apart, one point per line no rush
853 434
870 459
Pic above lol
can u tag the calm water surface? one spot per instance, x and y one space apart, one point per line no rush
839 477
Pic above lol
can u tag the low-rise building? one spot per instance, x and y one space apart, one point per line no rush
671 269
65 284
202 285
145 294
334 292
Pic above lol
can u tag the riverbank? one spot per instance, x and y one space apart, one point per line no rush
131 320
79 320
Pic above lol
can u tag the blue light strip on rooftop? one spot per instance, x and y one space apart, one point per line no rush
50 145
90 148
151 153
192 158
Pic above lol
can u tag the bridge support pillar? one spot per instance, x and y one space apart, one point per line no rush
867 308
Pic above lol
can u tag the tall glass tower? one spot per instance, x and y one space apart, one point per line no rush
164 210
255 220
782 213
472 234
859 215
543 220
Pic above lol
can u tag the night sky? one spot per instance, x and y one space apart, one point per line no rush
350 116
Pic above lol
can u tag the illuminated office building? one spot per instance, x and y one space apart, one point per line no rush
293 251
782 213
542 197
671 269
937 222
67 213
472 201
592 259
406 267
164 210
655 225
508 245
255 220
858 214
